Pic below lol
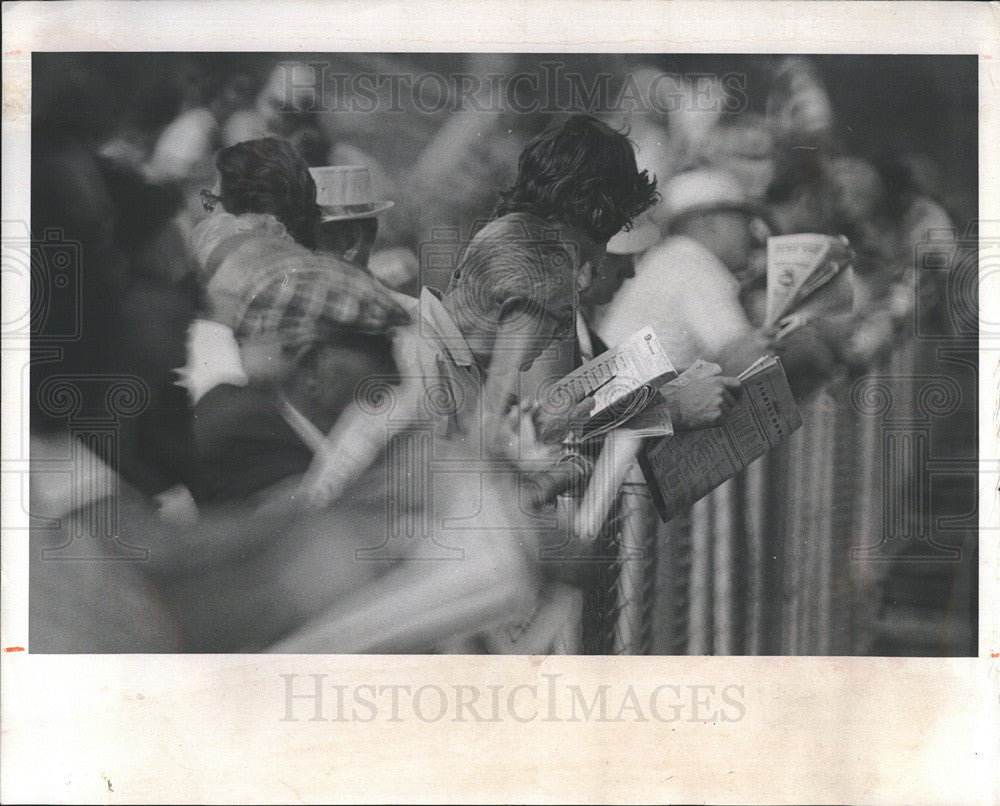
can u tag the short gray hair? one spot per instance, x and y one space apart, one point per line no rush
517 257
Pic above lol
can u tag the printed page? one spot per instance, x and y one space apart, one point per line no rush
638 361
684 467
791 260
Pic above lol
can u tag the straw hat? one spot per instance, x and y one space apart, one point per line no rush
344 192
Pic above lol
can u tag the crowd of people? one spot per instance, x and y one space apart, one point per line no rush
336 456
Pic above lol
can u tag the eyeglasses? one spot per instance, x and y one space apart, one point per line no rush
565 323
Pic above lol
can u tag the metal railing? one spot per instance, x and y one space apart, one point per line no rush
789 557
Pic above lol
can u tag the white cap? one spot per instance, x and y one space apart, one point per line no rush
643 234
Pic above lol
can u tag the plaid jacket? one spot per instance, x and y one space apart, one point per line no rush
265 282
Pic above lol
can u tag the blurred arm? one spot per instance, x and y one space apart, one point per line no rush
222 533
427 599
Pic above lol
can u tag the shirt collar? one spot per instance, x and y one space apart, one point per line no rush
436 317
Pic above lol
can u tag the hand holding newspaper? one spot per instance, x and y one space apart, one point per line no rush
808 275
624 384
684 467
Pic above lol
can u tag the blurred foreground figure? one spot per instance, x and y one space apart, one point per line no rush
377 551
511 295
309 333
312 331
376 554
103 554
250 565
514 292
98 540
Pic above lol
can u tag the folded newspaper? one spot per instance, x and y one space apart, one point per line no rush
624 383
682 468
807 275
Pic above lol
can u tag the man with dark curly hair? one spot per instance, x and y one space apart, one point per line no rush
580 177
581 172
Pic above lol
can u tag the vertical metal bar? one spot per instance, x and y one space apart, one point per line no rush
868 533
823 454
648 595
755 503
636 558
799 513
845 503
776 549
672 587
700 619
740 565
723 534
600 606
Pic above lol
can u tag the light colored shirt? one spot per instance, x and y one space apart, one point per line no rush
686 295
213 358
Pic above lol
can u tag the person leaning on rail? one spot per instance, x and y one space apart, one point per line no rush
514 292
686 287
581 177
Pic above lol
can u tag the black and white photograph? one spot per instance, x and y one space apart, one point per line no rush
343 355
442 355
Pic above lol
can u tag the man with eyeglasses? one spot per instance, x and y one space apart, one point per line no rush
517 289
514 293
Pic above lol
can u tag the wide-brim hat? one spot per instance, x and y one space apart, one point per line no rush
345 192
705 190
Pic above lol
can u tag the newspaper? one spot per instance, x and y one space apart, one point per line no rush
798 266
624 382
682 468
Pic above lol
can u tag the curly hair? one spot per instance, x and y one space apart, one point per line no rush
581 172
269 176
